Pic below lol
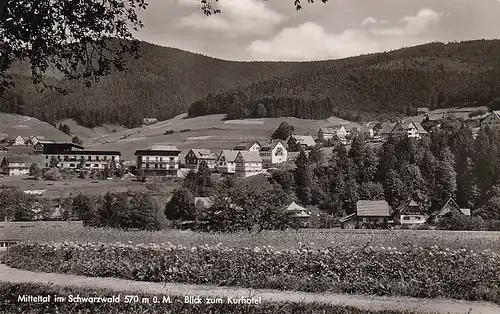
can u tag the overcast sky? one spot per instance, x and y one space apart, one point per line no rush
273 30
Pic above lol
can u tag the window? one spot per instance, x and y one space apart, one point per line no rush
161 158
156 166
46 157
417 218
89 158
147 158
96 165
87 165
147 165
46 165
406 218
97 158
113 158
72 165
105 158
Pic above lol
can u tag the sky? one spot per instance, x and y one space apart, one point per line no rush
258 30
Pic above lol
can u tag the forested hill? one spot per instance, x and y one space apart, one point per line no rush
167 81
162 84
371 86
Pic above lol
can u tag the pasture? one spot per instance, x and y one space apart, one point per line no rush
13 125
291 239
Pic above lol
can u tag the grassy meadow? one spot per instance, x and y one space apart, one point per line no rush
471 240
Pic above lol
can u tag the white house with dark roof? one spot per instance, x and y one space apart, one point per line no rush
368 214
329 133
248 146
248 164
15 166
298 214
492 120
409 128
273 153
409 214
226 162
196 156
159 160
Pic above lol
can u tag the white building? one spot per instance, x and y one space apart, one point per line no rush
248 164
409 128
409 215
15 166
492 120
326 134
196 156
72 156
273 153
19 141
248 146
226 162
159 160
366 131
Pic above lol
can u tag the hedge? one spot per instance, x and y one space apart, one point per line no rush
413 271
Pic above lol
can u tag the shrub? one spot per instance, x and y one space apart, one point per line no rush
411 271
52 175
167 132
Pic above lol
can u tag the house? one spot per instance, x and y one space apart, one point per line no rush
158 160
368 215
226 162
33 140
38 147
297 142
325 134
273 153
386 130
409 214
248 146
195 156
19 141
248 164
409 128
149 121
366 131
422 110
492 120
73 156
15 166
298 214
449 206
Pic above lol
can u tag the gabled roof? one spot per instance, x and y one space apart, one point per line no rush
465 211
250 156
294 207
203 153
387 129
271 146
300 214
15 159
409 204
365 129
373 208
229 155
246 145
20 136
304 139
443 205
332 129
348 217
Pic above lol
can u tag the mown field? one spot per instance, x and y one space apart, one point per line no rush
9 304
470 240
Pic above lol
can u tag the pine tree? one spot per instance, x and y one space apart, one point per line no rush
446 177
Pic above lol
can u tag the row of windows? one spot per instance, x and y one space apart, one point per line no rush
89 158
409 218
160 166
75 165
160 159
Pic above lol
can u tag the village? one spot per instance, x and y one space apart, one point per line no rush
251 158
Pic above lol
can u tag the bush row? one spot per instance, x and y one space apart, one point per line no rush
412 271
9 304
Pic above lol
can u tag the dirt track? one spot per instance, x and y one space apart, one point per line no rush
363 302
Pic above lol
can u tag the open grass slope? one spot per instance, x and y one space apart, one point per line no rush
14 125
211 132
86 134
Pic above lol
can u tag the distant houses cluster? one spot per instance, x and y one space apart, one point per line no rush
408 215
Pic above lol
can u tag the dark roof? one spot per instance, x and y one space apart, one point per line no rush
202 153
87 152
150 152
347 218
373 208
407 206
63 144
246 145
250 156
272 145
230 155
